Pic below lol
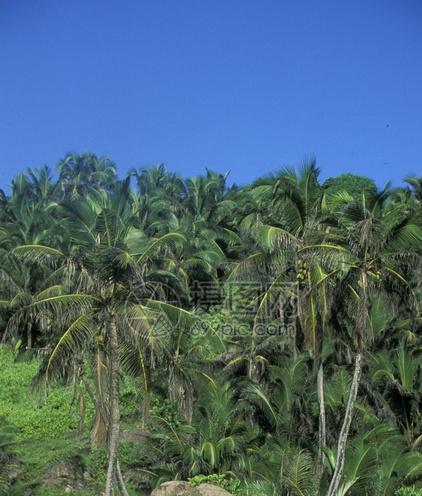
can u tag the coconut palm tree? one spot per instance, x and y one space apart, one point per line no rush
282 234
415 184
218 437
27 219
378 240
160 197
108 266
80 172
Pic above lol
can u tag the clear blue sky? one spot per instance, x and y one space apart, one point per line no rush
245 86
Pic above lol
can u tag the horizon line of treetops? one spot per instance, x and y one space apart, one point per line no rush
89 168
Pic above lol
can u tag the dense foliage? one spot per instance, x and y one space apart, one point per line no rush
265 338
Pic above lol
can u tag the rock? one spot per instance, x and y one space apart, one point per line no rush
135 436
66 473
173 488
211 490
182 488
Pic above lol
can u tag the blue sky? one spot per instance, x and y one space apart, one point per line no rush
246 86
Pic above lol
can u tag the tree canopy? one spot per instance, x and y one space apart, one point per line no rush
276 325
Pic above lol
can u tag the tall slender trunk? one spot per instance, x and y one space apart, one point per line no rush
99 425
361 322
120 481
99 431
344 433
322 430
322 433
113 444
293 342
29 336
81 408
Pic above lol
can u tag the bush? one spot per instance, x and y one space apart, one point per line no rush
229 484
409 491
7 455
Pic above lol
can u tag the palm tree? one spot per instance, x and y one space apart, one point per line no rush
28 216
378 238
283 233
79 173
218 437
415 184
282 469
109 268
23 285
208 197
282 398
28 219
160 200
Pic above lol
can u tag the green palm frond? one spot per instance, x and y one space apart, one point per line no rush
37 252
166 240
360 469
73 340
299 475
271 237
406 238
64 301
177 317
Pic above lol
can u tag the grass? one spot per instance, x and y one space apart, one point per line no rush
46 430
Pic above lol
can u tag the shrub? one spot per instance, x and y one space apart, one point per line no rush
409 491
221 480
7 455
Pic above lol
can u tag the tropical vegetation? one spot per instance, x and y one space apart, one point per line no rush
264 337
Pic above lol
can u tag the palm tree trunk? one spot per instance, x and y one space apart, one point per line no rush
99 431
344 433
293 342
322 433
114 409
120 481
81 422
99 425
29 336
